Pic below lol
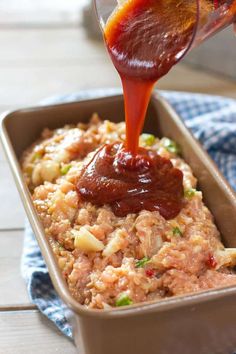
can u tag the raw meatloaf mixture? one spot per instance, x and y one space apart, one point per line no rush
113 261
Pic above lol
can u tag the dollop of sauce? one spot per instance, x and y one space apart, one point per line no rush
131 183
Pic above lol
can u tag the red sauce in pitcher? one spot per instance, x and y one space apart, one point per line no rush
145 38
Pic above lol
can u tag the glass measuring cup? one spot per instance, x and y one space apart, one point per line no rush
211 16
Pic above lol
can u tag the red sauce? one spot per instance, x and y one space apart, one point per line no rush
145 38
216 3
150 272
131 183
211 261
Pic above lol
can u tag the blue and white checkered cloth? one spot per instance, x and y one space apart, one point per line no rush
212 119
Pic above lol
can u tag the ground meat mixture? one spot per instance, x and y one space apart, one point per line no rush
116 261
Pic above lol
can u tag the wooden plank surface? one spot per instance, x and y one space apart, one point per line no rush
40 63
12 214
40 13
2 154
28 332
45 47
12 287
36 83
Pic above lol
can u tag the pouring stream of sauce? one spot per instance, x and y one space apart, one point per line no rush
145 38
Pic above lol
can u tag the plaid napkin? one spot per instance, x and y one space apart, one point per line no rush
212 119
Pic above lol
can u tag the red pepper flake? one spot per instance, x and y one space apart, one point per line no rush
150 272
216 4
211 262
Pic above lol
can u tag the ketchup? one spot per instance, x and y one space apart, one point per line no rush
130 183
145 38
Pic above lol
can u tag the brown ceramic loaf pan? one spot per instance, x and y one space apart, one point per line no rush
202 323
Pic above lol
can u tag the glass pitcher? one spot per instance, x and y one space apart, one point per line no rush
211 17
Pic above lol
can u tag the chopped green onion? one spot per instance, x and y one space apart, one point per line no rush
148 139
37 156
123 300
142 262
189 193
171 146
65 169
177 232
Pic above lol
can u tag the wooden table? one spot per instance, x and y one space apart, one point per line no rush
36 63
